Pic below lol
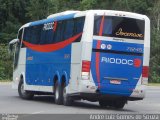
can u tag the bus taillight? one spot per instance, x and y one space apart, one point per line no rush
85 69
145 71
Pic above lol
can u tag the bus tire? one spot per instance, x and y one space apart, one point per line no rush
23 93
58 98
104 103
67 100
119 104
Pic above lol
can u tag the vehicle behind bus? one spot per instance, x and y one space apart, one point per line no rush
105 59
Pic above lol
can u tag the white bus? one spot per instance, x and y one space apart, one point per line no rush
95 55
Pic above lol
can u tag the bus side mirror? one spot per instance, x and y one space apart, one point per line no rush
11 45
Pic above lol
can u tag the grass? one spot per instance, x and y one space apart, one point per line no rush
153 84
5 80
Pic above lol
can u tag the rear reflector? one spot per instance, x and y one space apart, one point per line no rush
85 69
86 66
145 71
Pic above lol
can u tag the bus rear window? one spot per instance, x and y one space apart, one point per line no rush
120 27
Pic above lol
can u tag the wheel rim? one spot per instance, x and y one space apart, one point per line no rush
64 94
56 93
22 89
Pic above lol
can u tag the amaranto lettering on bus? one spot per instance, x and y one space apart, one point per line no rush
136 62
121 33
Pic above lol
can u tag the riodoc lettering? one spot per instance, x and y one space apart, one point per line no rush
117 61
48 26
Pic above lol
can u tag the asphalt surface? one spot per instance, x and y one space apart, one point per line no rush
11 103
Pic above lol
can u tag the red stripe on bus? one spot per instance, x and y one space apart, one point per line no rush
51 47
55 26
97 53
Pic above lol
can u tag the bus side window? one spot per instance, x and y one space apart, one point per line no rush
107 25
35 37
49 36
58 34
78 26
17 49
68 31
26 36
97 24
20 35
42 36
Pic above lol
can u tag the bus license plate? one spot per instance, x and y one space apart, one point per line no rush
115 82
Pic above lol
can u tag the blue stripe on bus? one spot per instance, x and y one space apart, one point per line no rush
52 19
42 67
121 46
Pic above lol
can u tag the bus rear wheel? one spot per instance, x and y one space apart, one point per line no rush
23 93
119 104
105 103
67 100
58 94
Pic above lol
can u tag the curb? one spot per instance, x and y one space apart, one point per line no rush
153 87
6 83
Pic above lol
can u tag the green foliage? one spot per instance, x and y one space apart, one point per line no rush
5 63
38 9
155 56
88 4
8 32
15 13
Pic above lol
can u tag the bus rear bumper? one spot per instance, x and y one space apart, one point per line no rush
87 86
88 90
98 96
139 91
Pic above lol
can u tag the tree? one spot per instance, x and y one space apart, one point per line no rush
155 43
15 13
38 9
